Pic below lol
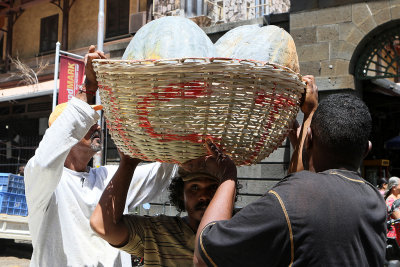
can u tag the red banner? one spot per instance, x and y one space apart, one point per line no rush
71 76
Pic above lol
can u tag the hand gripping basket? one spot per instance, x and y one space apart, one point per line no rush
162 110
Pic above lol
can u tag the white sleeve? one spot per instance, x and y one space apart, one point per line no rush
148 181
44 170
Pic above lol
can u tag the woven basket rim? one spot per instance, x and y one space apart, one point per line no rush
203 60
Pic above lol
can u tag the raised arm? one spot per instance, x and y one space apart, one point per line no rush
106 219
298 134
44 170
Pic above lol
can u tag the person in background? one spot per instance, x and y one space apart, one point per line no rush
327 216
392 194
62 191
160 240
21 170
382 185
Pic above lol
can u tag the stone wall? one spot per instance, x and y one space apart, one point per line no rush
326 39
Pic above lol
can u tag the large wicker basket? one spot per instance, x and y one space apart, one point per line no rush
162 110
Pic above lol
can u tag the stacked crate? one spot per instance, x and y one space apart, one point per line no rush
12 195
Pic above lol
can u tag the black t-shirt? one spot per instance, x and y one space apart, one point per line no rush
333 218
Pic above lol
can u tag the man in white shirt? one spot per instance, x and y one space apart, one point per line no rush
62 192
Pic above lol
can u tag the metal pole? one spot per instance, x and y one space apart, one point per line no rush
56 63
100 30
100 39
97 159
71 54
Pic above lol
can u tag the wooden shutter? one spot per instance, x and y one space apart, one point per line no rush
117 18
48 33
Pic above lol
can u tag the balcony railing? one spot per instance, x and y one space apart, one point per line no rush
220 11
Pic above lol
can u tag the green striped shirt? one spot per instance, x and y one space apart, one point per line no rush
160 240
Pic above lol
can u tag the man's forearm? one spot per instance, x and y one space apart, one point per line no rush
220 208
106 218
296 162
308 107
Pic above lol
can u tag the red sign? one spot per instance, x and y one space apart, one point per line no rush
71 76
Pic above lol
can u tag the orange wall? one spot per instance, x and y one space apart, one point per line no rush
83 23
82 27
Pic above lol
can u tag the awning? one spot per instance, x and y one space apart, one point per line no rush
27 91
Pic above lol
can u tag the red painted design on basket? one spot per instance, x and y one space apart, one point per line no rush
187 90
277 102
116 125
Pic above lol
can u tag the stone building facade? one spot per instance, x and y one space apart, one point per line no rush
328 38
354 46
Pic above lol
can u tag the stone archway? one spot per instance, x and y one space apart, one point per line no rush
328 39
376 68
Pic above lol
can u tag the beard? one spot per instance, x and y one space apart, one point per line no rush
202 205
95 145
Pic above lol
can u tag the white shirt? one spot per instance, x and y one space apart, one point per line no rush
61 201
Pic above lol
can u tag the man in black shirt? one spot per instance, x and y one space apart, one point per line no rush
327 216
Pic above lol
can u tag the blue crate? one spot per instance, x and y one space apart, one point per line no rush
13 204
4 181
16 184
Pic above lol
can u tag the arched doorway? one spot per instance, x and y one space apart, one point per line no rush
376 68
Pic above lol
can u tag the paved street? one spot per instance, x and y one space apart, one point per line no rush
15 254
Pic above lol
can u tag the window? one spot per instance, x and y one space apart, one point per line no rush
117 18
48 33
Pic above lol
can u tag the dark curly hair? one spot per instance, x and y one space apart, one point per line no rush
342 123
176 193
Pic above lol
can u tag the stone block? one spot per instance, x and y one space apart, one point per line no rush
362 17
382 16
280 155
335 83
256 186
274 171
395 10
360 12
326 33
367 25
350 33
334 67
302 20
394 3
253 171
332 15
341 50
310 68
243 201
313 52
304 36
377 6
265 171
